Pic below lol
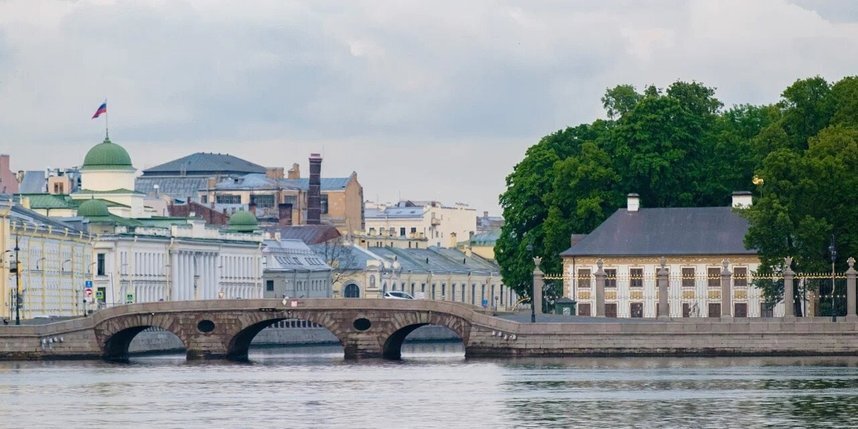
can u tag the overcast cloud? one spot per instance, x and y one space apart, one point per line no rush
424 100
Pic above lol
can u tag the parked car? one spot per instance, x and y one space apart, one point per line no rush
397 294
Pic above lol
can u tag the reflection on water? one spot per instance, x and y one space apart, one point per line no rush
433 386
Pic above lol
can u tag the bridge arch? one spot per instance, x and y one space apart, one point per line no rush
392 346
238 346
115 337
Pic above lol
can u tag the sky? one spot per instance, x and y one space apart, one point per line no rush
425 100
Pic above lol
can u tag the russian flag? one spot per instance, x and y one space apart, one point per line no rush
101 109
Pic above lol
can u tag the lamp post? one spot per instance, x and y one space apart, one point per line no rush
17 284
833 251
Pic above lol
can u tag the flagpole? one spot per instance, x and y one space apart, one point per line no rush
106 131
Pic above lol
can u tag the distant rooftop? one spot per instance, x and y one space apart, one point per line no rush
202 163
665 232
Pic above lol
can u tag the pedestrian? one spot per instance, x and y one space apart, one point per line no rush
5 322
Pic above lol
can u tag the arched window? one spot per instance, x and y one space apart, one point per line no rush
351 291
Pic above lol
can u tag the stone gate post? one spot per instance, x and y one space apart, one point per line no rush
538 284
850 290
726 291
789 296
600 275
662 273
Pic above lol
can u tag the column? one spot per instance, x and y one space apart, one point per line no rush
726 291
789 298
850 290
538 283
174 276
662 273
599 293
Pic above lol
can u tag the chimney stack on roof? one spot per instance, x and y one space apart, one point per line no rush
634 202
314 193
742 199
294 172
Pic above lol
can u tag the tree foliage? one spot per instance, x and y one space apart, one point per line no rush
679 147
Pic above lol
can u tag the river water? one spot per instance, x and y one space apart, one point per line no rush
432 387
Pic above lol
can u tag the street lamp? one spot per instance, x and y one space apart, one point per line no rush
17 284
833 251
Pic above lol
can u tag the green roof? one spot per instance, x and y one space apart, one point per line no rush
107 156
243 221
49 201
93 208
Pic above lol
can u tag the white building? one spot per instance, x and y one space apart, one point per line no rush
293 270
441 225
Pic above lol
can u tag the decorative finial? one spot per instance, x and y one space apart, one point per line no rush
724 264
537 260
662 261
600 263
851 262
788 261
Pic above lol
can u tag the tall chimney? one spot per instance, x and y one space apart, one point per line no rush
314 193
633 203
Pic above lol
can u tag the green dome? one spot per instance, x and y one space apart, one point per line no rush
93 208
243 221
107 155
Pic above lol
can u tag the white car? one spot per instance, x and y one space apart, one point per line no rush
397 294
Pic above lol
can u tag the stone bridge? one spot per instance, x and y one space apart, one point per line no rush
224 329
376 328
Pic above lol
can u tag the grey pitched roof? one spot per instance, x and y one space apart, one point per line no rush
310 234
292 255
33 182
327 183
176 187
666 231
201 163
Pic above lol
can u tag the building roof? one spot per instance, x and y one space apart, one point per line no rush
20 214
310 234
243 221
666 231
107 156
33 182
205 164
176 187
261 181
292 255
93 208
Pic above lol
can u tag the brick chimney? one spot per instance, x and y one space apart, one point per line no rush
294 172
314 193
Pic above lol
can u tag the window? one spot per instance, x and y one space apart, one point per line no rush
413 230
204 199
714 310
323 201
740 276
636 277
228 199
636 309
269 285
611 279
714 277
443 291
686 309
433 291
584 309
740 309
688 277
262 201
584 279
453 292
100 269
611 309
474 293
351 291
402 231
